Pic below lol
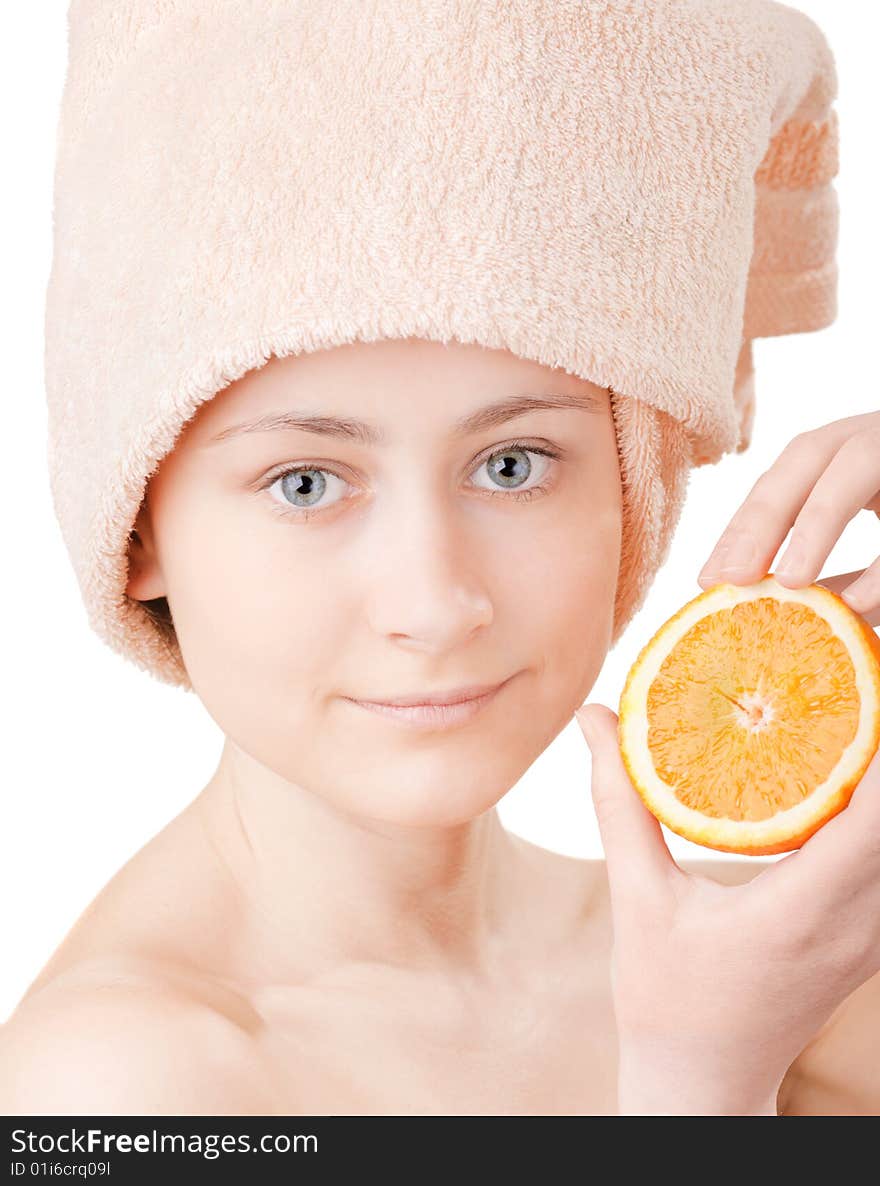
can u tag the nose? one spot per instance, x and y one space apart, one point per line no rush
427 574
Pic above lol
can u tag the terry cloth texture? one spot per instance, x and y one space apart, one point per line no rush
632 190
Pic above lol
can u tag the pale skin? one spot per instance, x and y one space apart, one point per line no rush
338 923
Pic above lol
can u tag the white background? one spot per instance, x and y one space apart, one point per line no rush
98 757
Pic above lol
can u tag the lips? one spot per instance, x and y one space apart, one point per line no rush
453 696
424 716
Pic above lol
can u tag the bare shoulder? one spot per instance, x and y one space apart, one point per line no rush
836 1073
110 1038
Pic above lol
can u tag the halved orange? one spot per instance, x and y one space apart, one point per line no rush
748 719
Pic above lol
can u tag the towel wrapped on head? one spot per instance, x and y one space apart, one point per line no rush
632 190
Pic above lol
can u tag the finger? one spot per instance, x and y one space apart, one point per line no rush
762 521
842 859
862 596
638 860
845 487
840 580
758 528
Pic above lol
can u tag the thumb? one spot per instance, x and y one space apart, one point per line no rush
636 854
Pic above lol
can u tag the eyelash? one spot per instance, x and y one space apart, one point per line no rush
304 514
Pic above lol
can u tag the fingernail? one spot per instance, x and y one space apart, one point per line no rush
586 726
707 572
856 596
740 554
792 560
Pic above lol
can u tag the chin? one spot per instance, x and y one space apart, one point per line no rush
442 797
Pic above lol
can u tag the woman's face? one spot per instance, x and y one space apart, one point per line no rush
411 557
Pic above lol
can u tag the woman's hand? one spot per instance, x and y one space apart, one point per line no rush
717 989
820 481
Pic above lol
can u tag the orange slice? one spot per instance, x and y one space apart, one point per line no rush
748 719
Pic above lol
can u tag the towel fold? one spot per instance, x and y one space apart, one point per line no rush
632 190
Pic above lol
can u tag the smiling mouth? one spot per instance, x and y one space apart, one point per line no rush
433 716
455 696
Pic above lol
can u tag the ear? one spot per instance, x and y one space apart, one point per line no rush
145 580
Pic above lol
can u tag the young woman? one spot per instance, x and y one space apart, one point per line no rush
338 923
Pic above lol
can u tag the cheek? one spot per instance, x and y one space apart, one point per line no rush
266 658
253 608
573 572
570 610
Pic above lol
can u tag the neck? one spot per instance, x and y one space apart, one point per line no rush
324 888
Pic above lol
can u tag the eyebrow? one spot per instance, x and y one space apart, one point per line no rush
364 433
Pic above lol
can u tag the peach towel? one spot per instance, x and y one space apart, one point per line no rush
632 190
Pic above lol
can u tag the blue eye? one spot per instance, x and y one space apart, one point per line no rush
303 486
510 468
